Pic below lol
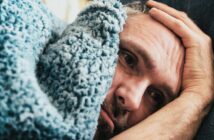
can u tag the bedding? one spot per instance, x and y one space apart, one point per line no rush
54 76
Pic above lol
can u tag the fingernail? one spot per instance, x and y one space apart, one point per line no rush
150 2
152 10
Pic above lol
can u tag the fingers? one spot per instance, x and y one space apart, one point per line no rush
177 26
198 53
175 13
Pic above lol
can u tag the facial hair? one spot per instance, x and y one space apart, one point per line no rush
104 131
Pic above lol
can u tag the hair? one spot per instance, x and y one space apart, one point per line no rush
135 8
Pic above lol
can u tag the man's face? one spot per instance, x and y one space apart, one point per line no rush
148 75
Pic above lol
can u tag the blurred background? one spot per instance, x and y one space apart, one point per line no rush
66 10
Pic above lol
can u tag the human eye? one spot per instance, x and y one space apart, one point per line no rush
157 98
128 59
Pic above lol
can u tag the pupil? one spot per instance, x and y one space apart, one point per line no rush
158 98
128 59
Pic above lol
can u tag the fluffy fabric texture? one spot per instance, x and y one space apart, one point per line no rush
52 84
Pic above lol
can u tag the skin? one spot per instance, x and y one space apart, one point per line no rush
147 77
197 83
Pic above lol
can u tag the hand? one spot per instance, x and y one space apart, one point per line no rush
197 83
198 66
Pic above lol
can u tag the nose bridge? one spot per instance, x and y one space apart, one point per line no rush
132 91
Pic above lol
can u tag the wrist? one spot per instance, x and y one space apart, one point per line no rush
198 103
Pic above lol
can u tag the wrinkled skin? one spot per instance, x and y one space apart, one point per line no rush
147 77
197 83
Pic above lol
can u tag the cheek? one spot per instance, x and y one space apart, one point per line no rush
116 82
142 113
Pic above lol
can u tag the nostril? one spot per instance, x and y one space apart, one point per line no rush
121 99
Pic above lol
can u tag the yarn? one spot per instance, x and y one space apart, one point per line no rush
53 76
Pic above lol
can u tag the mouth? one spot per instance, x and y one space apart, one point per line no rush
107 118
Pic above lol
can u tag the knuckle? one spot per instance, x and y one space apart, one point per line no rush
208 38
208 41
177 23
183 15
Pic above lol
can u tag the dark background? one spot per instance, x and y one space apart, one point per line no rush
202 13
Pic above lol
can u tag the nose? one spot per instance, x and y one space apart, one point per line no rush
129 95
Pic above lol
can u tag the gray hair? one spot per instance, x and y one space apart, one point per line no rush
136 7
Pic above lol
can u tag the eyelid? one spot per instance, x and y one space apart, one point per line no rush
165 99
129 52
161 92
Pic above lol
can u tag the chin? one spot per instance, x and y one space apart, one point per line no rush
103 131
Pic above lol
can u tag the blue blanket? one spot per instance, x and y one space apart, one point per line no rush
53 76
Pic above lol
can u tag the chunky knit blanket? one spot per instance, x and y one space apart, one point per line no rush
52 82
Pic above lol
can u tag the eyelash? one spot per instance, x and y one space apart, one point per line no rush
126 58
158 100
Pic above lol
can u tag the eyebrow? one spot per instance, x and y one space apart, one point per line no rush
148 63
141 51
147 59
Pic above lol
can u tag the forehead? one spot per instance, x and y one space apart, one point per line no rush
144 34
144 27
